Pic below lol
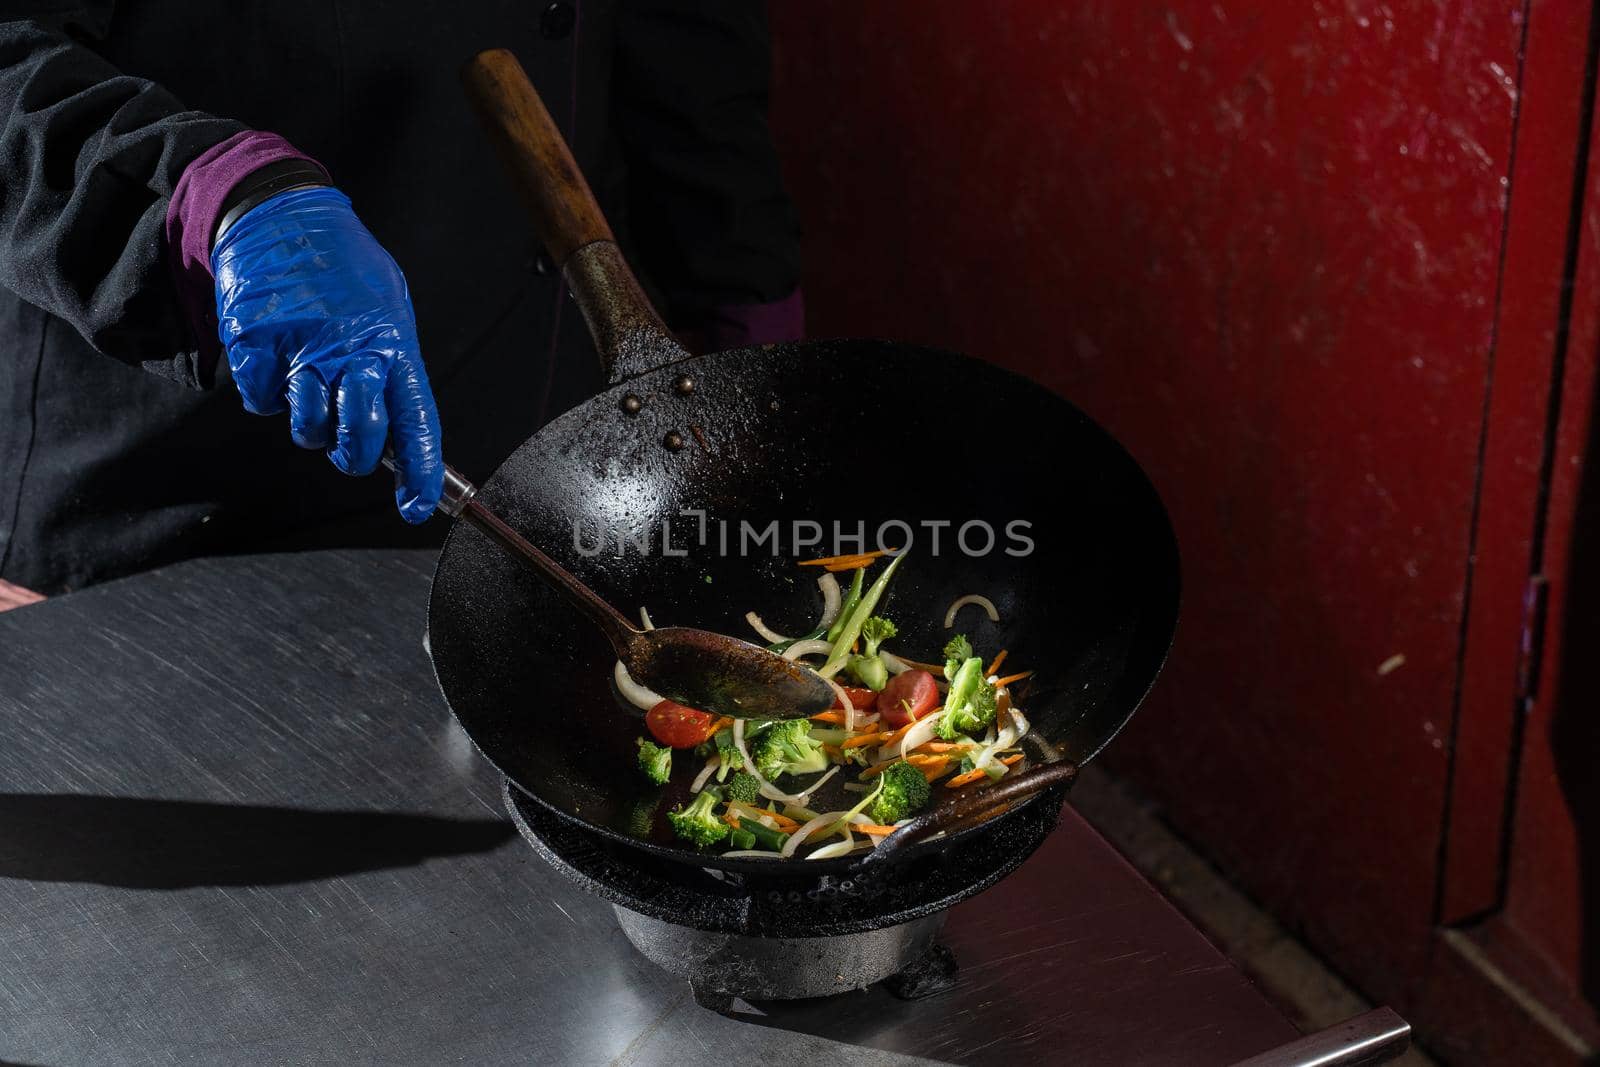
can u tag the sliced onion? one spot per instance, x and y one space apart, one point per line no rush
751 854
830 598
1023 726
705 772
806 648
895 664
971 598
827 818
634 693
921 733
644 617
1008 737
844 702
838 848
761 628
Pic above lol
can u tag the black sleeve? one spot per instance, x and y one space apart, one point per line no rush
705 202
89 157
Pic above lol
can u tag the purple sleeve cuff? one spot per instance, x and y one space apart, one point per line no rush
742 325
192 218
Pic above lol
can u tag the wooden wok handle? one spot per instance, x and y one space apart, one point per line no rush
975 805
629 336
564 211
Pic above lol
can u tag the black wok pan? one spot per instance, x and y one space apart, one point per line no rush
851 431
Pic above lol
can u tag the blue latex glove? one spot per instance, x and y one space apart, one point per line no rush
316 318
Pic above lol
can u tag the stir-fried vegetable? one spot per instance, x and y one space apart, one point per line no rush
787 748
869 668
904 792
857 619
909 695
902 730
852 600
699 822
969 706
744 788
676 726
655 761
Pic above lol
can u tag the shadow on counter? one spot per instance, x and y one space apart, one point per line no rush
181 844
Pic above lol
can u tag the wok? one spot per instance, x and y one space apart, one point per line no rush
686 453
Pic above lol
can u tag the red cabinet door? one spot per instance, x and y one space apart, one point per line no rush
1267 246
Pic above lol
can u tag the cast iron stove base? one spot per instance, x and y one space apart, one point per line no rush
720 967
792 934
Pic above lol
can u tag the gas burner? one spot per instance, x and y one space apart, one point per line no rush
791 933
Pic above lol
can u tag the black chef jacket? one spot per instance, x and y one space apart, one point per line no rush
108 468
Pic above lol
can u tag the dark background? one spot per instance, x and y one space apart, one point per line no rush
1328 269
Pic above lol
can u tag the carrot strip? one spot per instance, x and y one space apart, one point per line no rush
878 768
823 561
873 828
938 746
861 739
966 779
937 670
994 668
925 759
832 752
726 720
1009 760
934 771
893 738
1010 678
829 716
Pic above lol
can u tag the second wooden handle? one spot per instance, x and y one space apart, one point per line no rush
564 211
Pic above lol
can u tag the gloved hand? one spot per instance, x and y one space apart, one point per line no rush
316 318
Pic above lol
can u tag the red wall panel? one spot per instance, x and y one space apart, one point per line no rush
1259 242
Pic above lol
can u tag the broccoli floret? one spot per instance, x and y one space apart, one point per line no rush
743 788
869 668
970 704
904 792
699 821
642 816
959 650
655 761
787 748
875 631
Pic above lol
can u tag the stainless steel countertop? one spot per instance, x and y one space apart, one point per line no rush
237 825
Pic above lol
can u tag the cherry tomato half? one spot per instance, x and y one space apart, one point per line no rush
860 698
915 688
679 727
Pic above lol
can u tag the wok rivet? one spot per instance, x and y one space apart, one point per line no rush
774 406
684 385
631 404
673 440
